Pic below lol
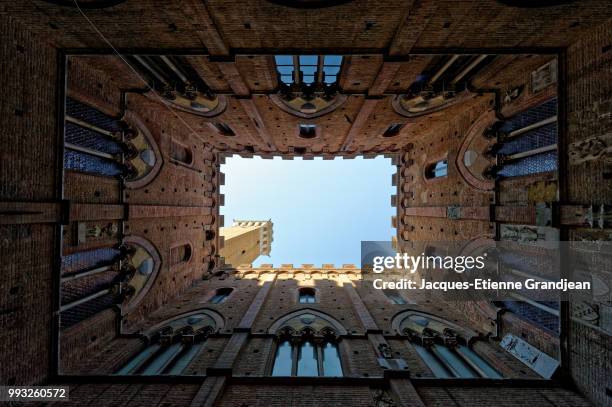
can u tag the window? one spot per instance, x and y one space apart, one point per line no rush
307 296
221 295
224 129
308 131
443 351
307 359
310 69
394 296
437 170
393 130
180 254
172 348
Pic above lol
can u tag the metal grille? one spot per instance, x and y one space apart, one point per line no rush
531 165
75 160
89 259
90 115
541 137
88 138
531 116
535 315
82 287
83 311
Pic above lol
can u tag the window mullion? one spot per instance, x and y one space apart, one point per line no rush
319 345
296 70
320 69
295 349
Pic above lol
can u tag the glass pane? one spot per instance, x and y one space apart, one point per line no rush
441 169
331 360
308 60
308 79
184 359
284 60
307 360
285 70
288 79
332 60
454 362
139 360
432 362
163 359
282 360
330 79
479 362
331 70
308 70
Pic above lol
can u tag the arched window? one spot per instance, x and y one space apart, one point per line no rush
394 296
307 295
438 169
180 254
307 346
172 347
221 295
446 353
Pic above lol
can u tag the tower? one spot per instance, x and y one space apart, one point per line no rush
246 240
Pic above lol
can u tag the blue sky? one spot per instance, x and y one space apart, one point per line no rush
321 209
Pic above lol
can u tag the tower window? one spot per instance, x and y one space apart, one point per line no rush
393 130
308 69
308 131
224 129
437 170
221 295
307 296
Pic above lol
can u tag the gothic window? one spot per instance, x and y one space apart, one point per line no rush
443 350
307 295
527 142
172 347
92 141
96 143
394 296
307 352
221 295
180 254
308 69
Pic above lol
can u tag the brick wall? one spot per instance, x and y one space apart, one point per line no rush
28 172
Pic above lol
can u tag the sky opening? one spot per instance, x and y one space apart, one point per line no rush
321 209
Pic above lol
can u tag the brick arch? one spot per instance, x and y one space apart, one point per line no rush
398 318
154 253
214 315
333 323
476 130
135 122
